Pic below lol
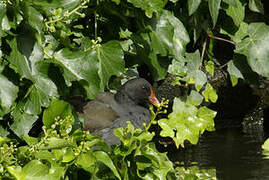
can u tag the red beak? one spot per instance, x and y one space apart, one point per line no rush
152 98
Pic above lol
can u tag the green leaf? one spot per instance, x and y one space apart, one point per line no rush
86 161
256 6
104 158
57 108
239 34
149 6
214 6
19 61
209 67
230 2
187 121
4 24
30 140
3 133
193 60
206 116
8 94
256 48
210 94
178 67
43 88
172 34
236 12
36 170
265 145
56 143
22 122
35 20
234 73
195 98
95 66
198 78
193 6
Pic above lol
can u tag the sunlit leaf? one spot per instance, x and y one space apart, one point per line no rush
186 122
8 94
209 67
236 12
256 6
265 145
210 94
104 158
195 98
57 109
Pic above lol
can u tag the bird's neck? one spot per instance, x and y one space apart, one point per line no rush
122 98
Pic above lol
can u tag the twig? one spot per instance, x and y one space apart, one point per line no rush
221 39
203 52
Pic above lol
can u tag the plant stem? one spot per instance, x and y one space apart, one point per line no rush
221 39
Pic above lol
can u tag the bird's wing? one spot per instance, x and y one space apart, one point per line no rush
98 115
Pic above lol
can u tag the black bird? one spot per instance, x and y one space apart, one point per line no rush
109 111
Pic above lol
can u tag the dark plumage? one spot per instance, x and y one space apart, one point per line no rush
109 111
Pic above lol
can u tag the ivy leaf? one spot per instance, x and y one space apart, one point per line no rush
187 121
172 34
20 62
86 161
193 60
265 145
95 66
195 98
209 67
8 94
214 6
234 73
210 93
104 158
3 134
35 20
178 67
206 116
35 169
149 6
236 12
256 48
38 94
198 78
239 34
22 122
256 6
56 143
193 6
57 108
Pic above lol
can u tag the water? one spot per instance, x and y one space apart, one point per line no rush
234 153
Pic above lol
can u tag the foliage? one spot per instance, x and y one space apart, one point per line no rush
187 122
51 49
61 153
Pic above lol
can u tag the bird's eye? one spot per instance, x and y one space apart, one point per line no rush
143 87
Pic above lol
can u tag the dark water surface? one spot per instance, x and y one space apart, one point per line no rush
236 155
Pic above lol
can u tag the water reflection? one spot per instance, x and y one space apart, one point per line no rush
235 153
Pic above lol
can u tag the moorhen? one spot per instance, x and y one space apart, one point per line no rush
109 111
